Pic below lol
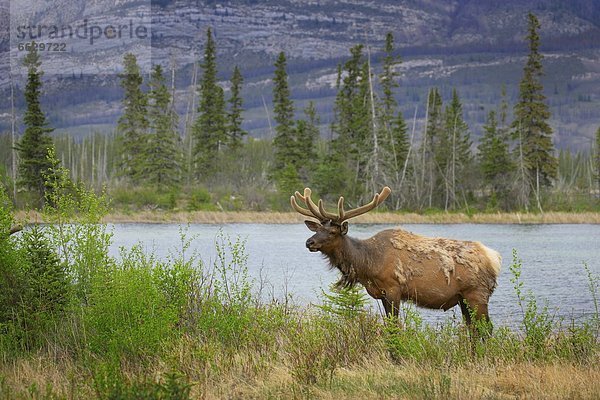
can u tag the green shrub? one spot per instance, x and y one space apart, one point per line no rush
128 314
200 200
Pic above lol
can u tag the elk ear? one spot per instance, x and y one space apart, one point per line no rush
312 225
344 228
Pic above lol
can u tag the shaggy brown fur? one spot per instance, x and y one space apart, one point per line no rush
397 265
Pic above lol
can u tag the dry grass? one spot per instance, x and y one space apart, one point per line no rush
227 217
377 379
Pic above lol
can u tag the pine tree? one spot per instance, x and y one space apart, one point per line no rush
36 143
430 143
286 151
210 127
388 81
531 114
597 159
453 153
234 116
306 135
133 124
494 158
399 145
163 157
353 123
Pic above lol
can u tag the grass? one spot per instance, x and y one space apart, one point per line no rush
225 217
87 325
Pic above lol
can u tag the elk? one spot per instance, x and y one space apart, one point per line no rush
396 265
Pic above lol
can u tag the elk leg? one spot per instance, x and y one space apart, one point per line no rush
480 325
391 308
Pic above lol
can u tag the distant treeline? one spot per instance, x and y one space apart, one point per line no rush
204 159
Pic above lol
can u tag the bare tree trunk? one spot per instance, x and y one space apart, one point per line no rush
271 134
189 113
412 137
375 156
523 194
424 151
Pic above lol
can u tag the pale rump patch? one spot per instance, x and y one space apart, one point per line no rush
494 257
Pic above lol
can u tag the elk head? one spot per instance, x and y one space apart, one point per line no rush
331 228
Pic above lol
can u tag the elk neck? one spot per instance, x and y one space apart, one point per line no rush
356 259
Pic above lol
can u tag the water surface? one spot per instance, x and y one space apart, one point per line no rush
552 257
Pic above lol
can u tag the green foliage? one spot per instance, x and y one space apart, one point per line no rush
531 114
496 163
537 323
128 314
209 129
133 124
35 144
163 157
235 132
284 143
200 199
344 302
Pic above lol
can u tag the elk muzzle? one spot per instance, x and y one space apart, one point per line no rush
311 245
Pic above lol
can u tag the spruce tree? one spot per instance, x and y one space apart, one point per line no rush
597 160
388 81
234 116
210 127
453 153
133 124
163 156
429 145
531 114
495 161
306 135
286 151
36 143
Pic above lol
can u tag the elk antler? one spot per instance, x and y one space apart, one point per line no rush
319 212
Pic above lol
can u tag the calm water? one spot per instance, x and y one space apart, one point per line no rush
553 257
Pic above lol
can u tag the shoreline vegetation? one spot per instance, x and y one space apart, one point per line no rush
77 322
274 217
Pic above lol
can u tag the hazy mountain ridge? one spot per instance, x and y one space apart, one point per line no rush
474 45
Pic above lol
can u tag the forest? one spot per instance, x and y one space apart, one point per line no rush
155 159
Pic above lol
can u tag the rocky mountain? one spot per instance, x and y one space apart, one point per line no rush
474 45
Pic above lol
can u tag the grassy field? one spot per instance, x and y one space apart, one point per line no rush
78 323
224 217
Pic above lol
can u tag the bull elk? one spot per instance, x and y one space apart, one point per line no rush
396 265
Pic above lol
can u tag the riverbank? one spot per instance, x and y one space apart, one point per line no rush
270 217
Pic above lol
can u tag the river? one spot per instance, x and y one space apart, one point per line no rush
553 258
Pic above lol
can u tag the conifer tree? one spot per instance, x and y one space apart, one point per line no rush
163 156
286 151
494 158
234 116
453 152
597 159
36 143
353 123
531 114
431 138
133 124
306 135
209 129
388 81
